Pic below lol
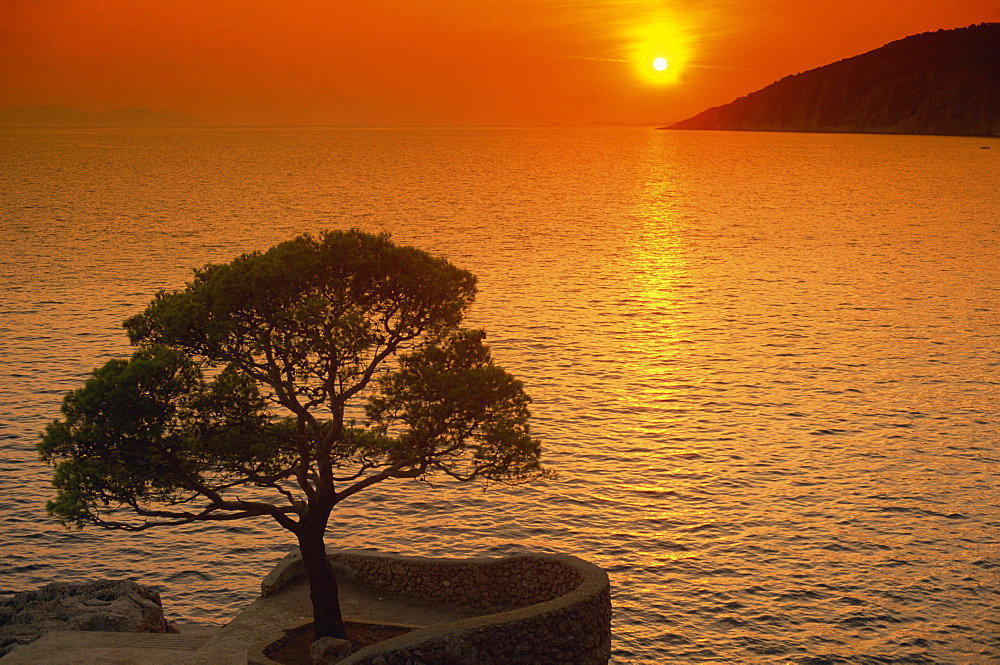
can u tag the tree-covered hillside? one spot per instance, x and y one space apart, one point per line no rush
945 82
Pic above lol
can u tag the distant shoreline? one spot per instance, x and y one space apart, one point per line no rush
207 127
821 131
55 117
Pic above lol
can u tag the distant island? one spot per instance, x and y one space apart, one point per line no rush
945 82
60 116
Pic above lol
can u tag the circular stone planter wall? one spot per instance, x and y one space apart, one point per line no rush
539 609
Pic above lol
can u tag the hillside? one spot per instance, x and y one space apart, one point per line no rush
945 82
60 116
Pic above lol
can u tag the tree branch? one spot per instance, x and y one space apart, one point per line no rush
395 471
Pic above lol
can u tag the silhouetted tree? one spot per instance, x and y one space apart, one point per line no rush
282 383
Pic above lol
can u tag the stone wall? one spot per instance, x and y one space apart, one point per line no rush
546 609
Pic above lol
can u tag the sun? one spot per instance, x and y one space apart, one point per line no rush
666 43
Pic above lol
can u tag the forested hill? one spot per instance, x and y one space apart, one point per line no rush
944 82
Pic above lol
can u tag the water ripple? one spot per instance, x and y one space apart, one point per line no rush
763 365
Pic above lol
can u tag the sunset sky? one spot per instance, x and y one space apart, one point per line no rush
452 62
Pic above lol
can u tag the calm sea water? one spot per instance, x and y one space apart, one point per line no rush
765 366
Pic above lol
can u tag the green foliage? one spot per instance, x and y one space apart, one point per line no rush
310 314
449 396
151 430
238 401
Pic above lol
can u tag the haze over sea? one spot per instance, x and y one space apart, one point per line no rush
765 366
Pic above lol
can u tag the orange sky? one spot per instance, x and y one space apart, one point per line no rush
471 62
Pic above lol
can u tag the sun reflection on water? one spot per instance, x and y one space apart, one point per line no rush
653 343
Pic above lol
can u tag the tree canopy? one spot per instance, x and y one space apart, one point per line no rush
284 382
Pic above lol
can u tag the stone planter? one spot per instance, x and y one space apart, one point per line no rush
262 651
537 609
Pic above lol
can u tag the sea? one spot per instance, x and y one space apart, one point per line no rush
765 367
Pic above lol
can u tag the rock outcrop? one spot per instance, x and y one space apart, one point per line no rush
103 605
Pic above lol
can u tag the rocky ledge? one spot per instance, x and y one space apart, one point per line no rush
112 606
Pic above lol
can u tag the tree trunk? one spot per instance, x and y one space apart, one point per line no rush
327 621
